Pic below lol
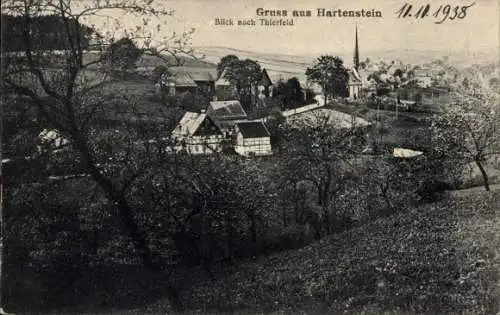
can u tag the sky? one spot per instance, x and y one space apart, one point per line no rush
477 31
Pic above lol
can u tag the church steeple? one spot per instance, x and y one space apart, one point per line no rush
356 51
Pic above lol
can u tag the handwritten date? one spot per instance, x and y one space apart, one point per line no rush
441 13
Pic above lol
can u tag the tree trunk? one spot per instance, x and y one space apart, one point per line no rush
118 197
128 219
2 232
486 182
138 239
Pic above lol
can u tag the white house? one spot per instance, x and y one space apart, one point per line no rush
196 133
252 138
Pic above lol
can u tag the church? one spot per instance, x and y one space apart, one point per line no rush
355 83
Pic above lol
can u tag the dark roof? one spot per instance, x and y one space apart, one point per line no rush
253 129
265 80
187 77
181 80
197 74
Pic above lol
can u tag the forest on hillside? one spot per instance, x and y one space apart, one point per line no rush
46 32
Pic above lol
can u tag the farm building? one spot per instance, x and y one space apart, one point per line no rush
185 79
252 138
197 133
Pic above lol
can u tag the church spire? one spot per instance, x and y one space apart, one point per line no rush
356 51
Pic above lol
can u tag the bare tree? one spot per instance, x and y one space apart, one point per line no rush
67 90
320 152
467 131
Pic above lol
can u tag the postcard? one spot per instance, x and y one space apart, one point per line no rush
250 157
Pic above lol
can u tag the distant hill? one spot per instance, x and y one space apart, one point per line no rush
415 57
148 61
288 65
277 65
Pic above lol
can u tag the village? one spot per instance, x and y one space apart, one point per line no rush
223 123
234 105
346 168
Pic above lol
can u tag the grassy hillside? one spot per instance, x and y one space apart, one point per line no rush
440 258
436 259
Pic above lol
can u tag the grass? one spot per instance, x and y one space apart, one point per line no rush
440 258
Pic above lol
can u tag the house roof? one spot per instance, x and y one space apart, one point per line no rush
187 77
181 79
354 77
189 124
196 74
253 129
222 81
266 80
226 110
327 115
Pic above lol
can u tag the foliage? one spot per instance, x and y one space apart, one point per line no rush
494 83
193 102
290 93
274 125
46 32
319 159
157 73
212 208
398 73
69 96
122 55
329 72
244 75
224 63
